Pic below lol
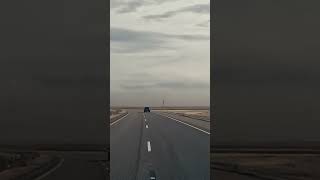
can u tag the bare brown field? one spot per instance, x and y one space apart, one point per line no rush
191 113
117 113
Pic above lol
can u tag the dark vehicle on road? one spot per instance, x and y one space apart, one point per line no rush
146 109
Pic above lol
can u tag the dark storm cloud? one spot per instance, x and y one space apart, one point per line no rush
198 8
137 41
266 70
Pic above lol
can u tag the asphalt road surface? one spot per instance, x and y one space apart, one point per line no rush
146 145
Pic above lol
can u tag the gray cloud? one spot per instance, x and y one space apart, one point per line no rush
204 24
137 41
198 8
133 5
168 61
166 85
131 47
126 35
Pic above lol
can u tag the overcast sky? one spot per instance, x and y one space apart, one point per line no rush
160 49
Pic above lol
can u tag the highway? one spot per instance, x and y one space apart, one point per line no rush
152 146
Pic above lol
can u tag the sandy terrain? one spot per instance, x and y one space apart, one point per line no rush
191 113
115 113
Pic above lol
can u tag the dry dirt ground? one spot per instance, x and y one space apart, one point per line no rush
192 113
116 112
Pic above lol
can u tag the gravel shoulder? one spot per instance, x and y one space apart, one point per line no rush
116 114
205 125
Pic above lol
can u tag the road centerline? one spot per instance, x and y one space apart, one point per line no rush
152 174
149 146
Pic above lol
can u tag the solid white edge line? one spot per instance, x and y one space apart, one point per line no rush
186 124
118 120
50 171
149 146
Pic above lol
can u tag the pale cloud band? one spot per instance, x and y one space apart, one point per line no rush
198 8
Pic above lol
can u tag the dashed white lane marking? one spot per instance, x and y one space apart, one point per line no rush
149 146
145 120
186 124
152 174
147 126
118 120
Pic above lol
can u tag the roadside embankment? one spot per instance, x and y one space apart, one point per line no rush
116 114
203 123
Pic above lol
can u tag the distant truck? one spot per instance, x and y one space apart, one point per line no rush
146 109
